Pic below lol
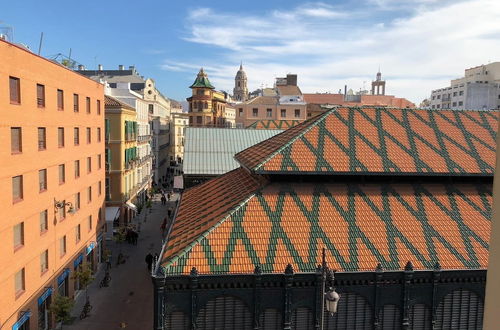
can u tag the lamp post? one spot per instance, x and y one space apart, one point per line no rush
62 205
329 298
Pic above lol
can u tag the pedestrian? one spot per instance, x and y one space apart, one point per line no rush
108 262
149 260
169 212
168 196
163 200
163 226
135 236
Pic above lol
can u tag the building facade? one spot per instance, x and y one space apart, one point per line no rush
52 181
206 105
478 89
240 91
123 183
180 120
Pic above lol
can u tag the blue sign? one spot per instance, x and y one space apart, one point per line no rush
63 276
44 296
21 321
78 260
90 247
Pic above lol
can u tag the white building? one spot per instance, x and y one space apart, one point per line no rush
478 89
180 120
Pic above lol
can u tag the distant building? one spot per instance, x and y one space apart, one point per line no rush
180 120
283 102
478 89
206 105
240 91
378 85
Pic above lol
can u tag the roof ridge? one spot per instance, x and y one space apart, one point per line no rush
203 235
313 124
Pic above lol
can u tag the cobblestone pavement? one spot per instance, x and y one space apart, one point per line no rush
128 300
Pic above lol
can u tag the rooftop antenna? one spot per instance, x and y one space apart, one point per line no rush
40 44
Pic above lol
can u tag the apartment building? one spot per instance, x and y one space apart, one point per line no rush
180 121
479 89
52 184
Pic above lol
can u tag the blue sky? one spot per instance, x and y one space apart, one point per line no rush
419 44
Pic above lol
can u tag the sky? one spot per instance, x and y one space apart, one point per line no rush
419 45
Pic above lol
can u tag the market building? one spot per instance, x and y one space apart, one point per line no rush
400 199
52 184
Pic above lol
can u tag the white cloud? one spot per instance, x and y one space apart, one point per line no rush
327 47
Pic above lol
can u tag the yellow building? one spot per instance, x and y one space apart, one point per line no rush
206 105
121 162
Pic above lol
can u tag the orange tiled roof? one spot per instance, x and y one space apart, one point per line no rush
204 205
359 225
273 124
114 103
354 140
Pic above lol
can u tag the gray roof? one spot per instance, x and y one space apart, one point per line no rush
210 151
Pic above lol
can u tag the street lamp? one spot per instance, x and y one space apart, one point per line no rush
330 298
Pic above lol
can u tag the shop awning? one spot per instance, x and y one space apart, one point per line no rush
20 322
90 248
44 296
131 206
112 213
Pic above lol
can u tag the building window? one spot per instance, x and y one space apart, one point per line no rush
77 169
255 112
269 113
17 188
19 235
432 107
205 105
454 104
98 107
439 97
62 174
42 180
90 222
40 95
89 164
460 103
76 103
98 134
454 93
240 112
76 133
78 235
283 112
87 104
44 261
200 106
438 106
200 92
60 137
89 137
433 97
151 108
44 221
99 161
77 201
62 246
460 93
297 113
15 90
16 141
19 283
60 99
42 144
99 188
198 119
89 194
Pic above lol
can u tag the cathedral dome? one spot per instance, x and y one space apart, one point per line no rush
241 73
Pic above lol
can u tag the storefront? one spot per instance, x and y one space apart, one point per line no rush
24 321
77 266
63 283
100 247
90 255
43 310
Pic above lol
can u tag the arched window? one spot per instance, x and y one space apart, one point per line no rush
302 319
270 319
352 313
420 317
461 309
224 313
176 321
389 317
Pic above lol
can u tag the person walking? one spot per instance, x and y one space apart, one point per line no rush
149 260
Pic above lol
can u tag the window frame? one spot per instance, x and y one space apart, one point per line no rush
21 243
62 174
19 149
60 137
45 221
87 105
44 130
20 196
44 188
60 100
40 96
17 97
19 291
76 102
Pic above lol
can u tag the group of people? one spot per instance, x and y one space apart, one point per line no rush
131 236
163 198
150 259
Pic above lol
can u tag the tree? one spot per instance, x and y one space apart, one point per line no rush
61 307
84 277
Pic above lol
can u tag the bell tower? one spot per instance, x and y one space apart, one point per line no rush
378 85
240 91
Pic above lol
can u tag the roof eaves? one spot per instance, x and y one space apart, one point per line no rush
311 126
202 236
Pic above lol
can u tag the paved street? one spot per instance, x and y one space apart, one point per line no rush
128 301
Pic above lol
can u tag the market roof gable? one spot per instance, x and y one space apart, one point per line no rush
362 140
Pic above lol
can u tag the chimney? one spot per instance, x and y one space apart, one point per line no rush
121 67
291 79
99 67
131 67
345 92
81 67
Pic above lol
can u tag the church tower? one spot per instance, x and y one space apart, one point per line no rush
240 91
378 86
